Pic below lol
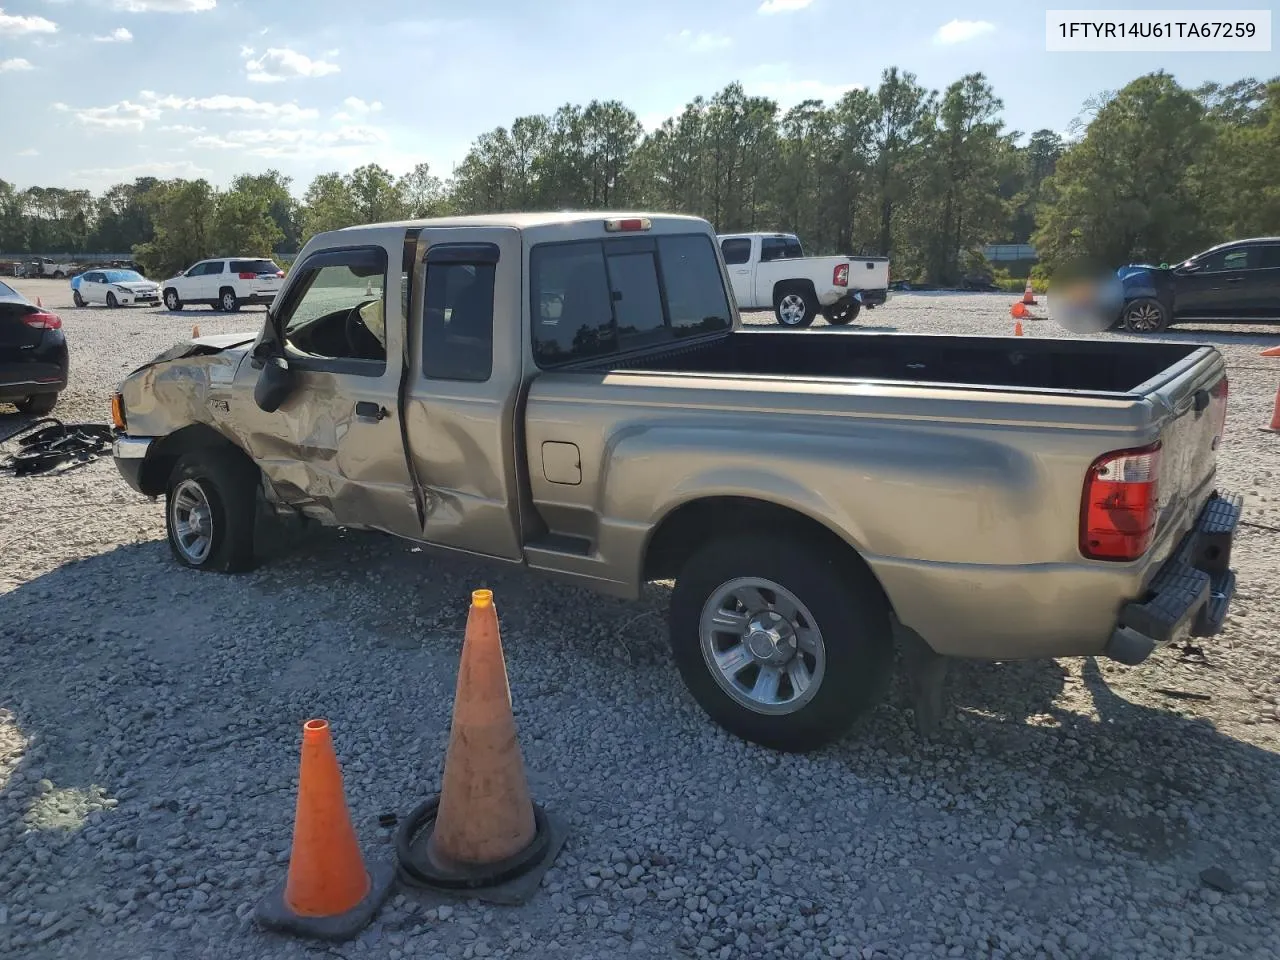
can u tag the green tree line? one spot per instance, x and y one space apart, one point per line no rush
1153 171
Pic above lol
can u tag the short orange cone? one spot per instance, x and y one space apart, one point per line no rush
1018 311
39 303
328 893
1028 295
482 835
1270 352
1017 328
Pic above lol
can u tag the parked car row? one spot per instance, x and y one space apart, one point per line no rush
224 283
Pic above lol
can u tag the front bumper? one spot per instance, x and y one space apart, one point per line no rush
130 455
1190 594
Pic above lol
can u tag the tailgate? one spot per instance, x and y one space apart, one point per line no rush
1191 398
869 273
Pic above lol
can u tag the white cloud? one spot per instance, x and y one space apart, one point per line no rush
962 31
118 35
281 63
15 64
279 142
783 6
700 42
163 169
29 152
165 6
181 128
223 103
356 105
13 25
124 115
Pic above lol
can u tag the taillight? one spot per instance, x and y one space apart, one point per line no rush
840 276
280 273
248 276
1219 394
1121 504
43 320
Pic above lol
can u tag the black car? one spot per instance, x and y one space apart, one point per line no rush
1237 281
33 354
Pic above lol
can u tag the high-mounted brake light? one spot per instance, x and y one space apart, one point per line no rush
1121 504
840 276
43 320
628 224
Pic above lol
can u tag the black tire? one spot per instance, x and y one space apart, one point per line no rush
228 302
841 314
1145 315
847 607
39 405
228 482
112 301
171 300
794 305
76 298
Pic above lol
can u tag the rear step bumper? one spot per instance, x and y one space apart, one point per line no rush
1190 594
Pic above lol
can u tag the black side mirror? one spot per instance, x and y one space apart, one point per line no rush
274 384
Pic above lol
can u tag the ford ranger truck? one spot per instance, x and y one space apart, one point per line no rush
770 271
573 393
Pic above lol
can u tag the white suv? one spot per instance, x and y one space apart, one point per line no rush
226 283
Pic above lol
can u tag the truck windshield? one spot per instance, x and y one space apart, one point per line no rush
598 297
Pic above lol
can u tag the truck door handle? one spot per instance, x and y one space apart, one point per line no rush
370 410
1234 279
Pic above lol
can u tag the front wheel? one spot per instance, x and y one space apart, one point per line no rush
76 298
112 301
1146 315
211 509
783 642
840 314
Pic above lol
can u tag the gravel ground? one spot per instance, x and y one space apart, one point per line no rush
149 730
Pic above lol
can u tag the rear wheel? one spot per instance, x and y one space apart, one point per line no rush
794 306
171 299
783 642
38 405
840 314
1145 315
211 509
227 300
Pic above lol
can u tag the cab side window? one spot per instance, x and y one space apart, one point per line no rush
457 315
335 310
737 250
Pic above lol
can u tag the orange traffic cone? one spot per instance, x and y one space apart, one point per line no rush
1275 415
1028 295
1270 352
195 330
327 893
1017 328
39 303
481 835
1018 310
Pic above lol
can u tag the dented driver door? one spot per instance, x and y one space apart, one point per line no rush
333 449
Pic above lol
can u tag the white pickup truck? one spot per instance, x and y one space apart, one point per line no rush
771 270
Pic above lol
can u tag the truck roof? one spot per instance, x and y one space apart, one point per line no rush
524 221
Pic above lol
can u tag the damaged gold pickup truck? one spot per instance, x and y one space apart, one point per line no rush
574 393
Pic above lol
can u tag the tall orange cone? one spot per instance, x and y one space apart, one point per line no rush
39 303
1018 310
1275 415
327 893
195 330
1270 352
1028 295
481 835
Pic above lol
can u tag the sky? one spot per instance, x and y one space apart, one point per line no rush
93 92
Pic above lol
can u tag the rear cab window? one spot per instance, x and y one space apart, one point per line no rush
591 298
256 267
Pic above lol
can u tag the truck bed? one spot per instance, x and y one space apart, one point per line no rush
1088 366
